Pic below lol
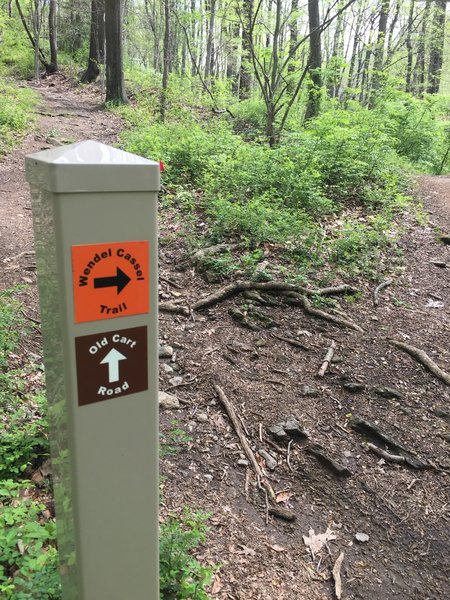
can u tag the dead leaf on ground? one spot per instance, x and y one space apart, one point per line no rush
217 585
277 548
284 496
316 542
245 550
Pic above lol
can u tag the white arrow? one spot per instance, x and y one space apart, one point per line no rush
112 360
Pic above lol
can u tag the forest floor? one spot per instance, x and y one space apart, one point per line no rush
403 511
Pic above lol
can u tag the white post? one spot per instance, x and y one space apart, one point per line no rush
95 213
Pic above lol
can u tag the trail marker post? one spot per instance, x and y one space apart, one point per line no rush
95 222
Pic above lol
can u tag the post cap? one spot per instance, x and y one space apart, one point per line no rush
90 166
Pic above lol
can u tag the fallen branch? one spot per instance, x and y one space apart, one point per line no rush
423 358
244 442
328 358
393 458
378 289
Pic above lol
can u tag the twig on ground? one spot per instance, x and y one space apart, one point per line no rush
244 442
423 358
337 576
288 458
328 358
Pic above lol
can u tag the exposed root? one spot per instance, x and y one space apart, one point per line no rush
378 289
424 360
316 312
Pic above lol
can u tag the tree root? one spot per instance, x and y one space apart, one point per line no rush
240 286
320 314
423 358
378 289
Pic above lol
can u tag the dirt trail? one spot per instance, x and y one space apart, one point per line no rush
66 114
403 511
436 191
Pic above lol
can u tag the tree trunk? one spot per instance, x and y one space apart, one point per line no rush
209 42
245 78
166 60
390 48
335 78
354 55
437 47
96 42
53 65
379 52
409 48
419 71
293 33
115 82
34 40
315 61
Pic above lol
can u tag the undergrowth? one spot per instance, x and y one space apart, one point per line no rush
328 196
16 106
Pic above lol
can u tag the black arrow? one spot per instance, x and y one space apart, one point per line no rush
119 281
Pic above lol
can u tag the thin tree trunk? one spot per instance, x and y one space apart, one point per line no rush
166 60
437 47
420 73
315 60
53 66
354 56
245 78
209 62
390 35
409 47
34 42
336 53
379 51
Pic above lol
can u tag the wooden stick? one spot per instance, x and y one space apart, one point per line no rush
424 360
328 358
337 576
244 442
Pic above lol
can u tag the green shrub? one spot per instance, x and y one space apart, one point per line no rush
28 557
17 56
419 129
181 575
16 105
23 430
